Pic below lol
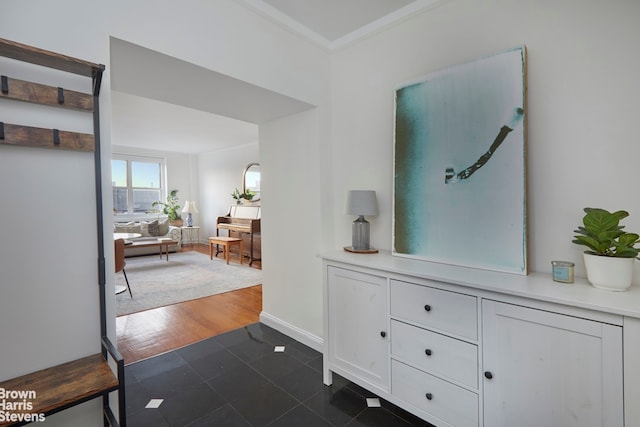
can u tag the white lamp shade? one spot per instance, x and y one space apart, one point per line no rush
362 202
190 207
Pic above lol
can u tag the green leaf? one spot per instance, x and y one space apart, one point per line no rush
621 214
602 233
626 253
589 242
600 220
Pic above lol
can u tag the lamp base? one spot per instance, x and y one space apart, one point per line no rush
360 234
360 251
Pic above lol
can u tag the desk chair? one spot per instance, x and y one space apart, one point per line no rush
120 262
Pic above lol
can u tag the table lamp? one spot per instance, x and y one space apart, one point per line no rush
188 208
361 203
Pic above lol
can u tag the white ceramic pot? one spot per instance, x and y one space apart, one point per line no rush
610 273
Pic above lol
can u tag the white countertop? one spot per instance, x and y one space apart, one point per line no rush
538 286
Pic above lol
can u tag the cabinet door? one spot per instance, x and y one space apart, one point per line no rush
358 325
548 369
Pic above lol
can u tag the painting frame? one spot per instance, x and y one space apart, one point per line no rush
459 165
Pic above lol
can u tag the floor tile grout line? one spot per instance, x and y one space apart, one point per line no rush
272 382
307 360
217 409
312 410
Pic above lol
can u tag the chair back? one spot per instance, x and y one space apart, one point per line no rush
119 249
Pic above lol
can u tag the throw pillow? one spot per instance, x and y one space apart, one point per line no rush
153 228
163 227
144 229
149 228
129 227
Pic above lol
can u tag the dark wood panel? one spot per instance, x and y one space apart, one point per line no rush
37 93
44 138
31 54
246 244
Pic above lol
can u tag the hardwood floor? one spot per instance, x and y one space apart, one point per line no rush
152 332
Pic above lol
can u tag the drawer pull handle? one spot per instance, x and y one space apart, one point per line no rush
429 396
488 375
383 334
428 352
427 307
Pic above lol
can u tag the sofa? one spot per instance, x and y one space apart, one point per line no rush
149 231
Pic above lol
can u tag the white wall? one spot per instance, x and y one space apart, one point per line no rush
220 172
231 39
292 216
223 36
582 107
582 80
49 261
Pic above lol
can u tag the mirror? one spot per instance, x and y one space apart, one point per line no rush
251 180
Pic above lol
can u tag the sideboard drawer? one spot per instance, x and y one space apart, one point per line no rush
446 311
452 404
435 353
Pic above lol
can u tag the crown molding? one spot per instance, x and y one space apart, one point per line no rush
273 14
296 27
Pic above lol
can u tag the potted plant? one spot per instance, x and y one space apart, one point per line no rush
248 195
609 259
171 208
238 196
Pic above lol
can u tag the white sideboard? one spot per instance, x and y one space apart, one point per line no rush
463 347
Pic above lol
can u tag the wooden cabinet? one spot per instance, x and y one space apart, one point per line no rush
549 369
466 348
359 323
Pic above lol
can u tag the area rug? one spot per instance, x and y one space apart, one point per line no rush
157 282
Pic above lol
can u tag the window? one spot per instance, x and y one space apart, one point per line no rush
136 183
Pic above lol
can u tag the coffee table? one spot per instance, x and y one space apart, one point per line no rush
162 243
126 236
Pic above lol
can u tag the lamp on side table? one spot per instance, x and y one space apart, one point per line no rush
189 207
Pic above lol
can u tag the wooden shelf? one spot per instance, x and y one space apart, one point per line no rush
36 93
28 136
58 387
33 55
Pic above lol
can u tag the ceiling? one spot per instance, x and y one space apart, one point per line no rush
201 110
209 111
335 23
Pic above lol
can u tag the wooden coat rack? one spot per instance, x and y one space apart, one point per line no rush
63 386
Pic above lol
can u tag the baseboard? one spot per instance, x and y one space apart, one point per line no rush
313 341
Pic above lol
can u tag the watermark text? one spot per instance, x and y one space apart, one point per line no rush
17 406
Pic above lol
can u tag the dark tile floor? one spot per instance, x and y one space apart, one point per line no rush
238 380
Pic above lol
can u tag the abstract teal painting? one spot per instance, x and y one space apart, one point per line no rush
460 165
